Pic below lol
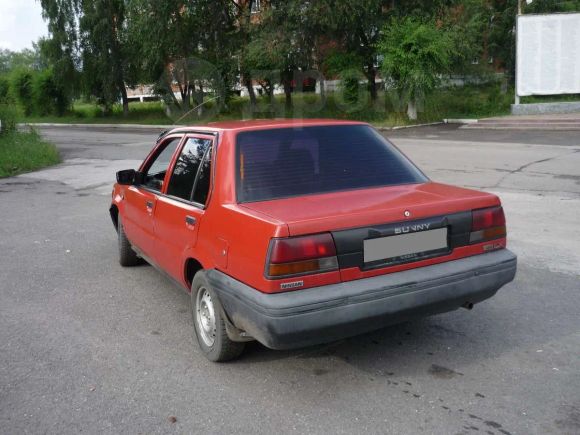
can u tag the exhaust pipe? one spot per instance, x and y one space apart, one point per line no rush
467 305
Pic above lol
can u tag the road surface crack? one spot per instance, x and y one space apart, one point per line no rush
527 165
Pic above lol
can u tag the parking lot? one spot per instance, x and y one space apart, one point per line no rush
86 345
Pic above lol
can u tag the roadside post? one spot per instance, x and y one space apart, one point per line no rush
519 12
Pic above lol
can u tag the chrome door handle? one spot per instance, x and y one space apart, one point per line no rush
190 220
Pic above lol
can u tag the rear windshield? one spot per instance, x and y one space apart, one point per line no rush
282 163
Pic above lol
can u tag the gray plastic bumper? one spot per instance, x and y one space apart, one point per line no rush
322 314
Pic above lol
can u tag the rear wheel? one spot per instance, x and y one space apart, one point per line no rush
127 257
209 323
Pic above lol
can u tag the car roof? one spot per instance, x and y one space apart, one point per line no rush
261 124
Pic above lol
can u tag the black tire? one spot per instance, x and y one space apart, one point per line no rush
127 257
218 346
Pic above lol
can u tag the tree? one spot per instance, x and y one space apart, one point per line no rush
185 43
468 24
60 49
415 54
502 41
218 36
164 34
356 27
550 6
105 53
89 36
26 58
243 19
281 45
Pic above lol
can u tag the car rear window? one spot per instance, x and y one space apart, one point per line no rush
287 162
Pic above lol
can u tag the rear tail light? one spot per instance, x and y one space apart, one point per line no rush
487 224
301 255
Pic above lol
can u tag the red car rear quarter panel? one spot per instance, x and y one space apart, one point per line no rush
245 238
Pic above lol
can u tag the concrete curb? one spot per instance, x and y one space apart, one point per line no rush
118 126
520 128
401 127
562 107
460 121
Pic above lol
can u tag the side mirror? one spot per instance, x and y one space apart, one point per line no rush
139 178
126 177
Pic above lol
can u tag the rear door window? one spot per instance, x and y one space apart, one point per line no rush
202 184
193 156
282 163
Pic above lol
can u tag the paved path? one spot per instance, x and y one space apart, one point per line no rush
88 346
558 122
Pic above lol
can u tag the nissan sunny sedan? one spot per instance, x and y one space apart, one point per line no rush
300 232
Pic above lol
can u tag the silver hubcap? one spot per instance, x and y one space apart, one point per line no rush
205 317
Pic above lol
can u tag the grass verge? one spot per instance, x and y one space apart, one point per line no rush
471 101
148 113
25 152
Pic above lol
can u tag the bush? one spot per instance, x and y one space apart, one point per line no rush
415 54
8 117
49 98
4 90
21 87
346 67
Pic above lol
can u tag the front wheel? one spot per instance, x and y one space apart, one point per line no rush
209 324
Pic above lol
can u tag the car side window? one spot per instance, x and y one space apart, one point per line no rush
187 167
203 180
155 174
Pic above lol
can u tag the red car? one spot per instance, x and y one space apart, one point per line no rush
300 232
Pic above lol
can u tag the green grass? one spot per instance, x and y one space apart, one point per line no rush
388 110
151 113
24 152
469 102
463 102
550 98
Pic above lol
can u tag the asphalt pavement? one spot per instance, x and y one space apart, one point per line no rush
88 346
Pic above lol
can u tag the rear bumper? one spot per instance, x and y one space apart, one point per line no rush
322 314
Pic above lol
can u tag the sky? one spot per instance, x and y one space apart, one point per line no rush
21 24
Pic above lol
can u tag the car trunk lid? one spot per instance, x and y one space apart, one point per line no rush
370 207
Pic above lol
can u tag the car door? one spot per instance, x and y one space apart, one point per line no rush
141 199
179 212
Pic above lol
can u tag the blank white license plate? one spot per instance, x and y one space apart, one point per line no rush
406 244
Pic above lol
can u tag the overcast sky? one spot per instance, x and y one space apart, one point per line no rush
21 23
